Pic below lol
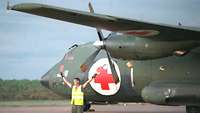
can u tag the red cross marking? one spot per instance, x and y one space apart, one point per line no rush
104 78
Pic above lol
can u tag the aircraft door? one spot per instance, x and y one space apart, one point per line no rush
140 74
130 65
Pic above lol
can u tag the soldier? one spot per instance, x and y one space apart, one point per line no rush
77 98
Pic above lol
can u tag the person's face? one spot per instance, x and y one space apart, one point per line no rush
76 82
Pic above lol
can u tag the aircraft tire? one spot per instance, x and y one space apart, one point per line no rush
86 107
192 109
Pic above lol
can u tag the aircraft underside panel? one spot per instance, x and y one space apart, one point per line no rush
175 81
172 93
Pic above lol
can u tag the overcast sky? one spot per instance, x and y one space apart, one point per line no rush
31 45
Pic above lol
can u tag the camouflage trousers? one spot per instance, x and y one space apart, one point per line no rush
77 109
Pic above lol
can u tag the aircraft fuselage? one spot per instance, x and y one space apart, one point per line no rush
177 71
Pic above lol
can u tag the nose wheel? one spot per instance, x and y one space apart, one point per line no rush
87 108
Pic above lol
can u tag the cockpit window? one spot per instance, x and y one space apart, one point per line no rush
69 54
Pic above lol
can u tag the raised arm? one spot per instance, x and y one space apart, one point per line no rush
88 81
65 80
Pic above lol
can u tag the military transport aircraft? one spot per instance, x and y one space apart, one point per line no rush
138 62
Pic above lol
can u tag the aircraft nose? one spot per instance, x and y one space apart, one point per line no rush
45 81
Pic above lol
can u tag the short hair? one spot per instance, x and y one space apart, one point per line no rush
78 79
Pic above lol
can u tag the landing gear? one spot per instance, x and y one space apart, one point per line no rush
193 109
86 107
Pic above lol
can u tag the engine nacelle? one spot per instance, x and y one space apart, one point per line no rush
130 47
172 93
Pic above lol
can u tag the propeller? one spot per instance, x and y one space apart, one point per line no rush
101 46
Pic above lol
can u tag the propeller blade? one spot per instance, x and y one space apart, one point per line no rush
91 58
90 8
99 32
89 61
8 6
112 67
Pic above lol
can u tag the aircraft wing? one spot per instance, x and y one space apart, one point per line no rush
111 23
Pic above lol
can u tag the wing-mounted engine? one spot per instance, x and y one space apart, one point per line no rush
137 48
172 93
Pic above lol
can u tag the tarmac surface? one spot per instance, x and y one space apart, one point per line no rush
118 108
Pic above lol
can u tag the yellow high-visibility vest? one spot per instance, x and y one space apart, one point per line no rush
77 96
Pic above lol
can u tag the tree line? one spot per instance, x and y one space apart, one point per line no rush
25 90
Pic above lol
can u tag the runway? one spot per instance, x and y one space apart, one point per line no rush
119 108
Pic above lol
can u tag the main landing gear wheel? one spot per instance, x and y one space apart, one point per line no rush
193 109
